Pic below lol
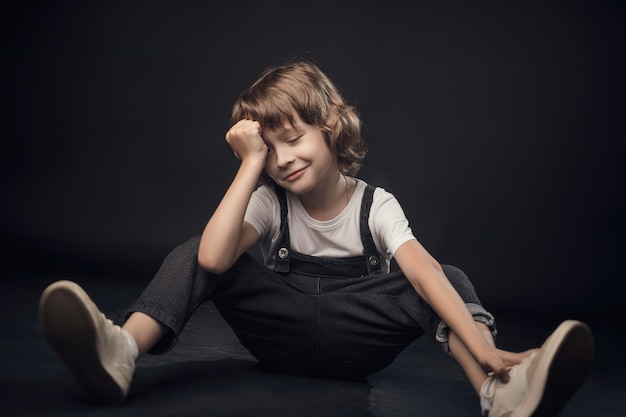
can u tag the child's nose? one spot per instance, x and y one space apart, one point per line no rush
284 157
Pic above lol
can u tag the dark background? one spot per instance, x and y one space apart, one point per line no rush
498 125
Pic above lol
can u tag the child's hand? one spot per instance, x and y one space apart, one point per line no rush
499 361
245 140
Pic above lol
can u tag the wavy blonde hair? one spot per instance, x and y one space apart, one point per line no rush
302 88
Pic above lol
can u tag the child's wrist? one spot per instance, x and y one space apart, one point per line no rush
253 162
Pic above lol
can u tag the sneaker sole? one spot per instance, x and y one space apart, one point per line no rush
564 365
72 331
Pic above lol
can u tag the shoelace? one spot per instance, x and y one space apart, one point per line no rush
488 390
487 393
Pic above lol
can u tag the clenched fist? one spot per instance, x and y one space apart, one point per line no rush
245 140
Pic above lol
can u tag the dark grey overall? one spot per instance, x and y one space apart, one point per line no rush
327 317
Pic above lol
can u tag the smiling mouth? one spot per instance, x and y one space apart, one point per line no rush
295 175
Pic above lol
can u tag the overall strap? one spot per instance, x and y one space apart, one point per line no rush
370 252
283 254
372 259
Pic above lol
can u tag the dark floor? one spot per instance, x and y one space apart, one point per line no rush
210 374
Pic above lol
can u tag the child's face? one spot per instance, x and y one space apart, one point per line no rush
299 159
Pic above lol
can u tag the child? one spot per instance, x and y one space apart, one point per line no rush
324 303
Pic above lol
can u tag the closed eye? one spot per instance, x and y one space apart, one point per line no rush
295 139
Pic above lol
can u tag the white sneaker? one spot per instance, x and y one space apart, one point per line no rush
95 350
542 383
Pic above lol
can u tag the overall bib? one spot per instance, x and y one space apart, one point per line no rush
325 317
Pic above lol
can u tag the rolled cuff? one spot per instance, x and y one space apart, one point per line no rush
480 315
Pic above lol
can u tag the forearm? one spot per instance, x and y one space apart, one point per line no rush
427 277
220 245
444 299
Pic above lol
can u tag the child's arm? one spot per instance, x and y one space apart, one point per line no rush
429 280
226 236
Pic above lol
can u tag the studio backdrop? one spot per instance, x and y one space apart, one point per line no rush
500 129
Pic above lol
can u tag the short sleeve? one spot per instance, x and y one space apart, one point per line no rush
388 222
263 212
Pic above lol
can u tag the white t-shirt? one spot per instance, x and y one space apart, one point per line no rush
336 238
